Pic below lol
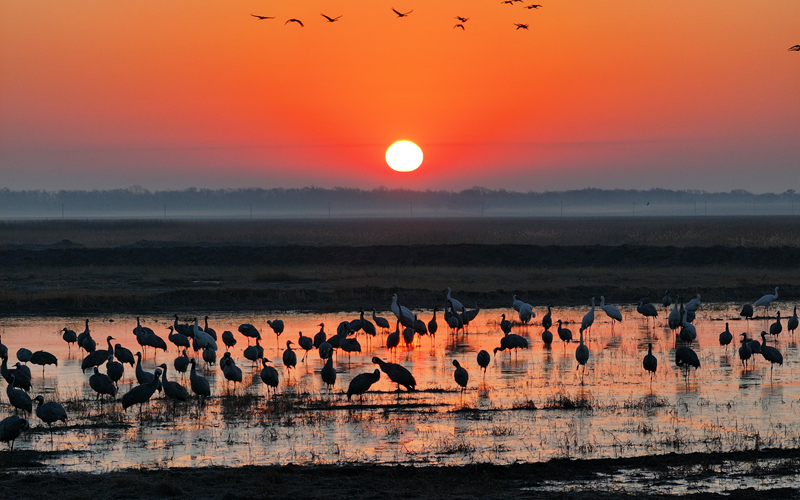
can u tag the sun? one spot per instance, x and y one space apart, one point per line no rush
404 156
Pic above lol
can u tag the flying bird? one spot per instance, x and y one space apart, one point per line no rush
795 48
459 26
295 21
508 2
261 18
331 19
462 19
401 14
533 6
521 26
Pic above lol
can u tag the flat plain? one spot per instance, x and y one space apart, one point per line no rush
74 267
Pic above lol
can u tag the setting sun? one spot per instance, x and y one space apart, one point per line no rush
404 156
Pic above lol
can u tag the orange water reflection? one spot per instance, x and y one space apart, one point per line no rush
530 405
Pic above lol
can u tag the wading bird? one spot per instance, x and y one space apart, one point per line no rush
269 375
18 398
565 334
277 327
199 384
650 362
588 318
461 376
328 373
792 324
547 319
547 337
70 337
767 299
228 339
379 320
102 384
249 331
611 311
776 328
398 374
10 429
178 339
361 384
141 393
744 351
484 358
289 357
173 390
725 337
770 354
582 355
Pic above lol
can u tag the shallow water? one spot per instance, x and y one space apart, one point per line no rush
522 409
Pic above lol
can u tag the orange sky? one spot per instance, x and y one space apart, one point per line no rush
632 94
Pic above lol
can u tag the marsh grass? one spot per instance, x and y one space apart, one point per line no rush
562 401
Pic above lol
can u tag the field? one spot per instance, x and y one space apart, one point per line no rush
72 268
89 267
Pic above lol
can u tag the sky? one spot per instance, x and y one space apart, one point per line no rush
632 94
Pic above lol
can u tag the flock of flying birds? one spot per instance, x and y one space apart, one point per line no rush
460 24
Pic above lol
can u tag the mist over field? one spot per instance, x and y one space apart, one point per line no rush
313 202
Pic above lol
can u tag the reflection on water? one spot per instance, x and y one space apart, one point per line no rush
529 405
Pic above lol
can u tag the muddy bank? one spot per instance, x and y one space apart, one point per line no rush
556 479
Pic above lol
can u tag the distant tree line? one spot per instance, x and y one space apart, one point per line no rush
318 202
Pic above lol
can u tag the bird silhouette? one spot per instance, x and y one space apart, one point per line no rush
795 48
198 383
792 324
398 374
508 2
293 20
361 383
102 384
650 363
611 311
770 353
483 359
380 320
461 376
744 351
725 337
173 390
10 429
328 373
459 26
533 6
331 19
261 18
141 393
462 19
269 375
402 14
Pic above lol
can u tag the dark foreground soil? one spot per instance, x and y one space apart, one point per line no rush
556 479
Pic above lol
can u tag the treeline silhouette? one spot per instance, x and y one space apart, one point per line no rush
137 202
